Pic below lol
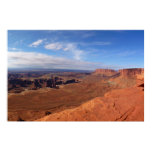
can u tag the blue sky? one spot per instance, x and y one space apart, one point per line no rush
76 49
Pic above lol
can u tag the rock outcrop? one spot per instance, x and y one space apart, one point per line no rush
134 72
18 85
104 72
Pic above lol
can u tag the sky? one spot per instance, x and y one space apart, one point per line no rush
75 49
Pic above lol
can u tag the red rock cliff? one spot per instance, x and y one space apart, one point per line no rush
104 71
134 72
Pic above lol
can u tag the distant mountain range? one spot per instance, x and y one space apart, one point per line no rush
48 70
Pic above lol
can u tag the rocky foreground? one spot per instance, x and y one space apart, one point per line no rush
118 105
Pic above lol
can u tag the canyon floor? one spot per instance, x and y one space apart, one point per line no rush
97 97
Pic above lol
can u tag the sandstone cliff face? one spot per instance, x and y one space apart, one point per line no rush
106 72
135 72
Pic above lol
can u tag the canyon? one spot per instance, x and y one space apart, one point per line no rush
102 95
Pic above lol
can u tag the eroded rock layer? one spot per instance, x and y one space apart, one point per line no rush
106 72
105 95
117 105
132 72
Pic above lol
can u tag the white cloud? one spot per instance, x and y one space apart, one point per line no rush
39 60
69 47
36 43
126 53
14 49
77 54
101 43
72 47
54 46
94 43
86 35
60 46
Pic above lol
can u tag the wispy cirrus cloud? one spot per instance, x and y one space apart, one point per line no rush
14 49
101 43
67 47
95 43
37 43
19 42
72 47
86 35
60 46
78 54
39 60
126 53
54 46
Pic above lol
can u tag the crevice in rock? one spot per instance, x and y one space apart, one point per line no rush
124 116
